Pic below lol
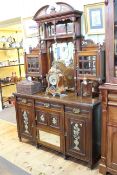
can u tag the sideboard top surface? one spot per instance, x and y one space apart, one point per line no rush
69 99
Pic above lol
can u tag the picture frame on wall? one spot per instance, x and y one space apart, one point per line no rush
30 28
94 18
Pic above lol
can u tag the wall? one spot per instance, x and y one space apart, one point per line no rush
34 5
27 8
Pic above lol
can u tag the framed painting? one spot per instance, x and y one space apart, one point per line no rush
94 18
30 28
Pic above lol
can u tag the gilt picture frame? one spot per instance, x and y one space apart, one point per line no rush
94 15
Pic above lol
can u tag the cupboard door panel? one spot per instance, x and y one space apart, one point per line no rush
26 117
112 110
112 147
54 120
77 142
42 117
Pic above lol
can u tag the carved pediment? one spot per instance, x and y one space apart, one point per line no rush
53 9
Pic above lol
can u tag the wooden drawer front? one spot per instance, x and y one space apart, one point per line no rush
76 110
24 101
54 120
42 117
48 105
112 112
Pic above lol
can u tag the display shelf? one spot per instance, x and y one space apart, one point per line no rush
11 65
9 56
13 55
10 48
62 37
7 84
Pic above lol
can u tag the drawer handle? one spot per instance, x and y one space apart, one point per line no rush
76 110
47 105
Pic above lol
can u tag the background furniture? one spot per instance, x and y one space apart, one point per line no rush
12 64
109 94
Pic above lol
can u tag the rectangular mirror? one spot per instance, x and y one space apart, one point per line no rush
63 52
49 138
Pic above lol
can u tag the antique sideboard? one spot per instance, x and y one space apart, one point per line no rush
69 124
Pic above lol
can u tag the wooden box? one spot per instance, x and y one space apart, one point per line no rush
28 87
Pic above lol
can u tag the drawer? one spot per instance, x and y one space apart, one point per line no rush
76 110
112 114
48 105
24 101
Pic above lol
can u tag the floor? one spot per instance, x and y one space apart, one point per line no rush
28 157
8 168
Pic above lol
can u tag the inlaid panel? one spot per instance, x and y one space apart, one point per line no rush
42 117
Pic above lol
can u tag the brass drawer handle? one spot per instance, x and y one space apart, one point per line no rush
76 110
47 105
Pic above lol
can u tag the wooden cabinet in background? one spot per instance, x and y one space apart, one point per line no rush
108 91
109 130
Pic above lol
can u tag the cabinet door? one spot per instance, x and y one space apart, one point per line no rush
32 64
26 121
77 137
112 147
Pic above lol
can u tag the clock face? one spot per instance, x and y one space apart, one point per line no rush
53 79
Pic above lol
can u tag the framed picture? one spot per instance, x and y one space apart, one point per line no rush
94 18
30 27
